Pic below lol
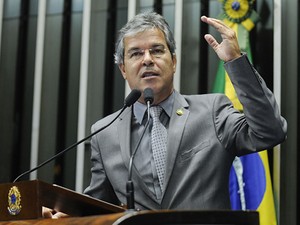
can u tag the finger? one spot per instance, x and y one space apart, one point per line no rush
217 24
59 215
46 212
204 19
211 41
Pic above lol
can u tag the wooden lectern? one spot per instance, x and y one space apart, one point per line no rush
32 195
25 199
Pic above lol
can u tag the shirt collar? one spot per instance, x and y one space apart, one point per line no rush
139 109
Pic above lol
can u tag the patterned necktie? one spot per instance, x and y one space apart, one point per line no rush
159 143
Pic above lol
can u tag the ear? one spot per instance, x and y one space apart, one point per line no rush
174 62
122 69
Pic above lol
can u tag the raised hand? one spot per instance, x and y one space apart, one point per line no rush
229 48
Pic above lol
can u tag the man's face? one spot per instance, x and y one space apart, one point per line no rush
145 68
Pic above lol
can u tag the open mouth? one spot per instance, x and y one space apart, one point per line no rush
149 74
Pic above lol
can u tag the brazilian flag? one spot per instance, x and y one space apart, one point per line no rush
250 184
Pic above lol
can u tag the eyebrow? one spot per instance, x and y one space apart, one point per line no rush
152 46
132 49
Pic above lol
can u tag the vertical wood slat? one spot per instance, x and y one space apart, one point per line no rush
277 93
132 7
37 92
83 89
1 21
178 39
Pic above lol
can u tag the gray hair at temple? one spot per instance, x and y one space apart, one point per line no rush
140 23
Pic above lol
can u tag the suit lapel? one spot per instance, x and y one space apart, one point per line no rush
177 123
123 128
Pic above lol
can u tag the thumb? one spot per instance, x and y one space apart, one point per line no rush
211 41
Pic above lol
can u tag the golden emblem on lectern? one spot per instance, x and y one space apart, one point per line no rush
14 201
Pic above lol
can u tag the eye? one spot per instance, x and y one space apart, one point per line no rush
136 53
158 50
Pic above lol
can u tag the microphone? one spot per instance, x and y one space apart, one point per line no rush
133 96
148 98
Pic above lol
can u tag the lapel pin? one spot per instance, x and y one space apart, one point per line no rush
179 112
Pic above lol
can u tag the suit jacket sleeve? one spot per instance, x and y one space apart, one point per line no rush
261 126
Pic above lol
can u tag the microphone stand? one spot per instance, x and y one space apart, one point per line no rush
148 97
129 184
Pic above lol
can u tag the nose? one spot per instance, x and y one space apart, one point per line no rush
147 58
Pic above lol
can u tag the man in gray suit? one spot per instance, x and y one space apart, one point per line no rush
204 132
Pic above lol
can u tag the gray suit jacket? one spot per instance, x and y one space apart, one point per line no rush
202 144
